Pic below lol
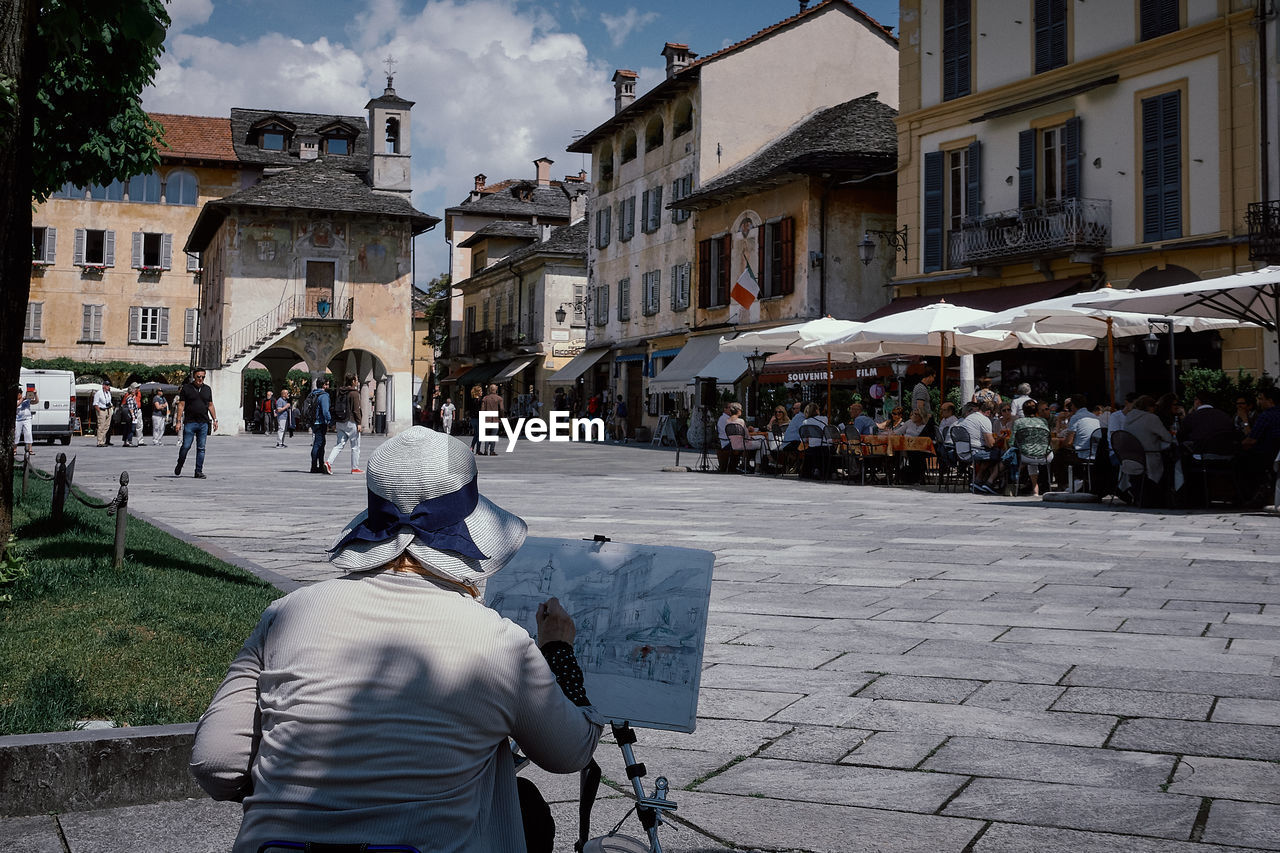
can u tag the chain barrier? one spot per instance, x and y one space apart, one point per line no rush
62 477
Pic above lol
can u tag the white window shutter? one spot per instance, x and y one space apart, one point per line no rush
98 311
193 261
189 332
79 247
135 322
137 249
50 244
164 325
86 323
38 320
109 253
166 252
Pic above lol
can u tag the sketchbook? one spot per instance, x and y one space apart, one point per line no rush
641 617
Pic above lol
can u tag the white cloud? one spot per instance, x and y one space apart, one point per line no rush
185 14
496 86
621 26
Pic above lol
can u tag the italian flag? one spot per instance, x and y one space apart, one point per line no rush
745 289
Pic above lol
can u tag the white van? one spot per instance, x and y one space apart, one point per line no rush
54 416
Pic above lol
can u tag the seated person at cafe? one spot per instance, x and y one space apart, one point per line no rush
1116 422
1004 416
986 456
1080 427
1205 423
949 419
860 421
1031 439
751 448
1259 449
1144 424
913 425
818 447
891 422
1024 394
779 422
725 414
791 438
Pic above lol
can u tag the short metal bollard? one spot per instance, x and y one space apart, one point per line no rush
26 468
120 506
61 482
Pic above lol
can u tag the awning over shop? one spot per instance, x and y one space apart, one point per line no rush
481 373
987 299
580 364
700 357
633 356
792 368
513 368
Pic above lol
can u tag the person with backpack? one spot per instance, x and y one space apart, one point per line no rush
348 418
315 413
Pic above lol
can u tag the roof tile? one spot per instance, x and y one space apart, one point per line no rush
195 137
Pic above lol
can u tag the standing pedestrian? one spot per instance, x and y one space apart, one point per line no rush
159 414
195 414
131 417
266 414
320 419
283 415
446 416
491 403
102 405
473 415
620 421
22 428
348 419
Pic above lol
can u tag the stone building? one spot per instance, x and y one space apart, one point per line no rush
1045 149
707 117
313 263
109 280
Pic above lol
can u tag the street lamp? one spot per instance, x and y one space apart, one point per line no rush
899 368
897 240
1152 344
755 363
575 305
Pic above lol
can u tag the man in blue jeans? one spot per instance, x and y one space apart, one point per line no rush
320 421
195 413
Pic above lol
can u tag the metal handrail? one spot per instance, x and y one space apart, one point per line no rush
247 335
1058 226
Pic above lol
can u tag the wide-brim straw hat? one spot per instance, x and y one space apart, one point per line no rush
421 465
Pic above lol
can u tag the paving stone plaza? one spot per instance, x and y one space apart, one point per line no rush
886 669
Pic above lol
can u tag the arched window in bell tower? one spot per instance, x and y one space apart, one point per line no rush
393 136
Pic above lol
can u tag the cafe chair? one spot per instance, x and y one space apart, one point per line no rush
877 457
962 450
1129 450
1212 459
741 447
815 460
1088 463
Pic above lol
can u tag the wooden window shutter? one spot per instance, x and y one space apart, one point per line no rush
193 262
190 330
164 325
684 286
50 244
1161 167
86 323
622 219
955 49
1157 18
973 181
78 249
135 323
644 208
31 331
1071 166
109 250
96 329
166 251
1051 34
624 299
704 273
787 259
933 236
656 223
722 274
138 238
762 260
602 309
1027 168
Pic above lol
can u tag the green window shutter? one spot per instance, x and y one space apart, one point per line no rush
1027 168
933 216
973 181
1071 144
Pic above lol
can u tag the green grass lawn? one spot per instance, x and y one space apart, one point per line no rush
141 645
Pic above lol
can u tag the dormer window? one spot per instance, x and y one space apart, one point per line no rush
337 145
272 140
272 134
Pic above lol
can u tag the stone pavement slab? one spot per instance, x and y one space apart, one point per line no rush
858 638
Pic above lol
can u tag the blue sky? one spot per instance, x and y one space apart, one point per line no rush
497 83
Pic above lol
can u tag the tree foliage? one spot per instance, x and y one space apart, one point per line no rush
435 303
71 79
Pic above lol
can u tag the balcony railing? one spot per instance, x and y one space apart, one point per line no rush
1263 219
1055 228
481 342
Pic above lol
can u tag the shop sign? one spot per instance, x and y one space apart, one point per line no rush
568 350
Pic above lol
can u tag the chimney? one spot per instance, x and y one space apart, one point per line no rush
480 179
577 205
624 89
545 232
804 5
678 58
543 165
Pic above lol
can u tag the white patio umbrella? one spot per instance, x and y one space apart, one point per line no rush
1089 314
1249 297
932 330
792 337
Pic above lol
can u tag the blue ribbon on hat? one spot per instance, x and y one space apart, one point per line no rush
437 522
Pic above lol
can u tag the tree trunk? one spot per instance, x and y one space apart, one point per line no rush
18 65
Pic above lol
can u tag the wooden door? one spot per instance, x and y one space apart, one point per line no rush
320 275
